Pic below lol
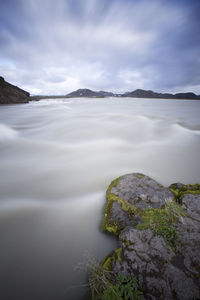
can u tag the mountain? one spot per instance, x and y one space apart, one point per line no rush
139 93
11 94
189 95
89 93
106 94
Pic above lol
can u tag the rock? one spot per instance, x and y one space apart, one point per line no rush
164 270
191 204
127 195
10 94
141 191
181 285
189 246
153 262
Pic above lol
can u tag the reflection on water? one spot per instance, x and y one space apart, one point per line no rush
56 160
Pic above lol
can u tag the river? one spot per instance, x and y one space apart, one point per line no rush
57 158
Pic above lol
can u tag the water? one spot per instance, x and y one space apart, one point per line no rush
57 158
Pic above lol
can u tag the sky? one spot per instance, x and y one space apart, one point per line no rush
53 47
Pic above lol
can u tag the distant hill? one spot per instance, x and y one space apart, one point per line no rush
89 93
139 93
106 94
189 95
11 94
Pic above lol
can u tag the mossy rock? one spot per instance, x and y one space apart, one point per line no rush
161 221
158 231
180 189
118 214
112 258
127 196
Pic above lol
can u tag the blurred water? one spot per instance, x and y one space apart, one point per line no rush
56 159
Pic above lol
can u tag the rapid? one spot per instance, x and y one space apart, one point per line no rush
57 158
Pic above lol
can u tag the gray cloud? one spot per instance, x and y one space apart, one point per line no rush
54 48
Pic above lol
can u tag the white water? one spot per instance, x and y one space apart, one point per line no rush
57 158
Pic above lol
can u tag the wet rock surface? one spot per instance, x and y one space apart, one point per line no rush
142 191
10 94
191 205
164 270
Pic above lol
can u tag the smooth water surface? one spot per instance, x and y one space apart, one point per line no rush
57 158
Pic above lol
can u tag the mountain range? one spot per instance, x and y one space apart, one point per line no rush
139 93
10 94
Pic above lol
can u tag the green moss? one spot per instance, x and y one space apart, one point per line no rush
111 259
112 228
189 192
113 183
140 176
107 263
160 221
150 217
190 187
131 209
127 243
107 224
175 191
118 252
180 190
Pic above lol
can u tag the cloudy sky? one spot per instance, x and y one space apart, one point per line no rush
57 46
